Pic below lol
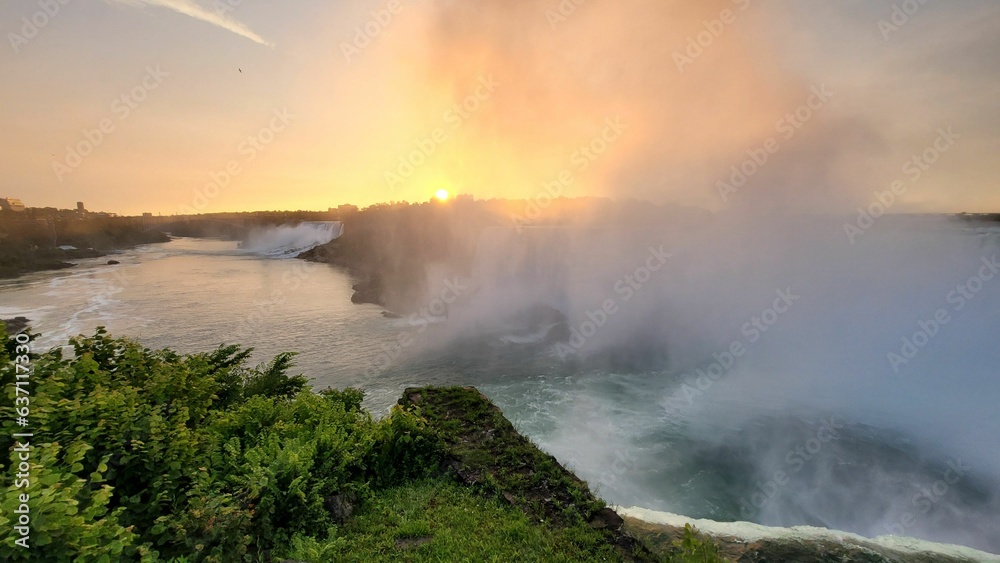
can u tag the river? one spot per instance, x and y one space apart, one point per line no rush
621 430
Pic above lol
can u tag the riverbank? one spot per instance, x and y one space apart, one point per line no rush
19 259
31 248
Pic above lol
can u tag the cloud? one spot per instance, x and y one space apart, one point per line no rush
192 9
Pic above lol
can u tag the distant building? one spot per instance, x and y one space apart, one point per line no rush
147 214
347 209
80 208
11 204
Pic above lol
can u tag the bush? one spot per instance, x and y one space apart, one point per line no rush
144 454
69 516
693 549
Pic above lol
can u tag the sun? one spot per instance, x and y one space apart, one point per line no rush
441 194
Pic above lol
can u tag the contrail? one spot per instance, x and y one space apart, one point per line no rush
190 8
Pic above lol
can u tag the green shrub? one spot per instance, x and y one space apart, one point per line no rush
404 449
693 549
69 516
140 414
146 454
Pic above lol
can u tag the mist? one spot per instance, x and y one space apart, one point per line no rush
741 337
290 240
783 287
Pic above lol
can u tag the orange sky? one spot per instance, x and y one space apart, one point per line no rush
288 106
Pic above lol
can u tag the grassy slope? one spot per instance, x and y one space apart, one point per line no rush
440 520
500 498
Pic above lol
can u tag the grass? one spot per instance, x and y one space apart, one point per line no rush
442 521
489 453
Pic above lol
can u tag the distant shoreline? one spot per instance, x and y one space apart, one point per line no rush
38 241
18 261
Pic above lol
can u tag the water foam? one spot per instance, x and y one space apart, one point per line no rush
289 241
750 532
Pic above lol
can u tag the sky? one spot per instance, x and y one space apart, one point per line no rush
180 106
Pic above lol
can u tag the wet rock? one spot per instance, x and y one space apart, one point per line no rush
16 325
369 291
606 518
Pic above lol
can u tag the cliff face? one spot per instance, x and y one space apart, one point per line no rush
392 250
397 251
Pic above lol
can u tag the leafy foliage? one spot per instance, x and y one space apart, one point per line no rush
151 455
439 520
148 454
